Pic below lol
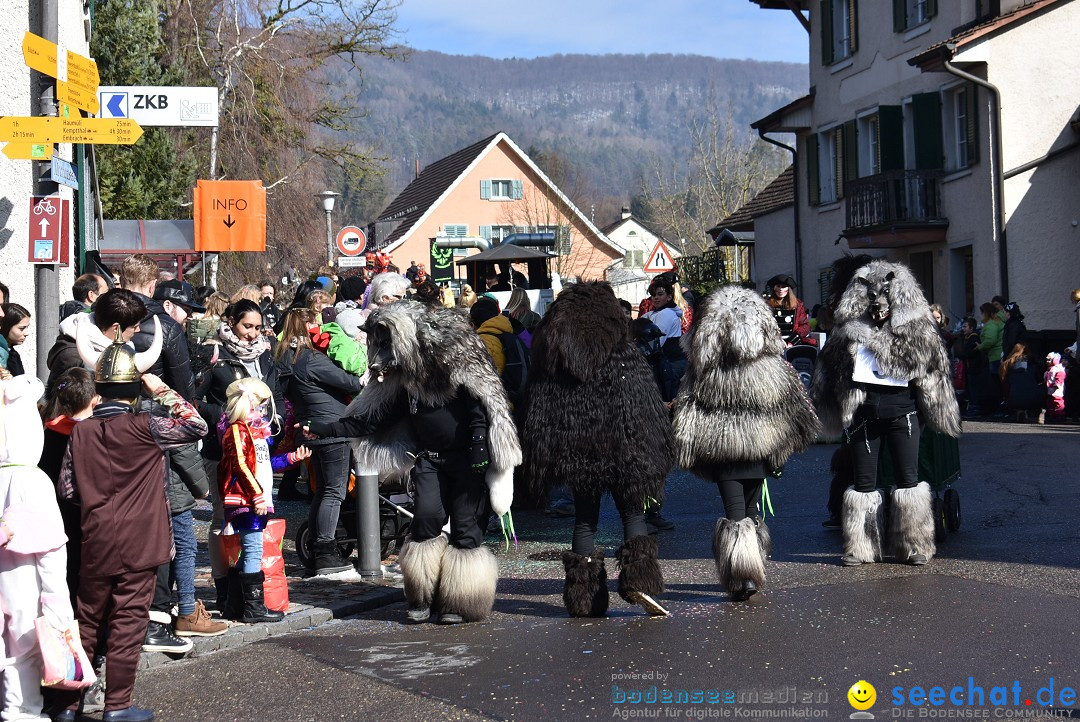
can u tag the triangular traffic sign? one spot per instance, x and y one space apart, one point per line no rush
660 260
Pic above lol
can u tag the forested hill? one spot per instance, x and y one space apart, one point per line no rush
607 115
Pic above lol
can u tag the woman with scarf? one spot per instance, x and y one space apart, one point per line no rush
242 352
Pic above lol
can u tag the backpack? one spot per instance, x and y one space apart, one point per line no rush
515 373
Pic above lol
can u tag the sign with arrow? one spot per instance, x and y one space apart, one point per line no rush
166 106
50 221
69 130
76 76
660 260
29 151
230 216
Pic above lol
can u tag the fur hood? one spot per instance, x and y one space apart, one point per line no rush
884 309
432 353
579 334
740 401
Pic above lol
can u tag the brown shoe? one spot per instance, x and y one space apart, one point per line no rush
199 623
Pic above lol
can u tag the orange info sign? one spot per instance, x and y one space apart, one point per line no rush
230 216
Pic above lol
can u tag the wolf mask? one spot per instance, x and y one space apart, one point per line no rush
884 309
430 354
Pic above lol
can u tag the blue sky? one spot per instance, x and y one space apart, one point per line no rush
717 28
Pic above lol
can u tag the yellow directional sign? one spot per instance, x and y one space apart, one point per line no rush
40 54
105 131
77 96
29 151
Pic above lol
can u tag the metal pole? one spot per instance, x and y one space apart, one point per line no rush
367 521
329 238
46 276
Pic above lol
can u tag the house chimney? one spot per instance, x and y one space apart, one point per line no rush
417 174
625 212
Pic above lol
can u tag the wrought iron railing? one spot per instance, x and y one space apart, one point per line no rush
716 266
899 196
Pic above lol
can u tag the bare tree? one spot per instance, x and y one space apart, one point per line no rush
724 170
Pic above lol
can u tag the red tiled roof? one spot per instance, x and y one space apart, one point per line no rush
935 55
428 187
778 194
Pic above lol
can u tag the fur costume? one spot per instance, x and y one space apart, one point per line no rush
740 401
911 523
595 422
433 384
741 413
884 309
862 525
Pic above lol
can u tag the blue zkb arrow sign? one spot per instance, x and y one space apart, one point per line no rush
116 104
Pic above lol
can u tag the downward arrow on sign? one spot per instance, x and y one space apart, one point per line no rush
44 226
229 222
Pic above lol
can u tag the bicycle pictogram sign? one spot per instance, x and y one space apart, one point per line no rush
45 207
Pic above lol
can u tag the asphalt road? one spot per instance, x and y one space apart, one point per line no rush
998 608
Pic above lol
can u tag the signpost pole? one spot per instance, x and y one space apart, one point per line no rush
46 275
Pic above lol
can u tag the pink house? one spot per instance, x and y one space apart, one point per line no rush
488 191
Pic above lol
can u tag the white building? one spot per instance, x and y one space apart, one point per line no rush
626 276
900 152
19 95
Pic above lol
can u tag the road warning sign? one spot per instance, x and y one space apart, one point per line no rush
660 260
230 216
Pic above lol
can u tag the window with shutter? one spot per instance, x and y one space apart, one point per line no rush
838 30
564 241
959 126
866 136
813 180
890 138
516 190
908 14
826 32
485 189
828 165
455 230
972 128
849 155
926 118
485 232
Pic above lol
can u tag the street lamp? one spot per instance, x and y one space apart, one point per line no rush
328 198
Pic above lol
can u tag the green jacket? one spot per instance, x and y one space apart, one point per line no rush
351 355
990 339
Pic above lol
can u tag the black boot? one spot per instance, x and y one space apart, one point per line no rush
233 607
585 593
254 609
328 559
640 579
221 586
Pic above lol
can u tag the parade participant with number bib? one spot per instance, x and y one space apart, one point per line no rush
883 373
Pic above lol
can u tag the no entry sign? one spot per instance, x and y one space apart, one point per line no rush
351 241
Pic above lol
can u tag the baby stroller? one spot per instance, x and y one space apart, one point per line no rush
395 516
802 358
939 466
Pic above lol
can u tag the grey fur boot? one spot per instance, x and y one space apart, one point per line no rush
467 585
420 565
585 593
911 526
764 537
861 519
739 556
640 579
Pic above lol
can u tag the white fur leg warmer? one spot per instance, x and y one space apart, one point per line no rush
467 585
420 565
861 518
911 524
738 553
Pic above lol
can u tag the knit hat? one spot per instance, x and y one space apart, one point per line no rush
351 321
351 288
483 310
1013 309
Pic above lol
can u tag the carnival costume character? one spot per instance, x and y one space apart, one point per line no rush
882 373
594 422
741 412
436 405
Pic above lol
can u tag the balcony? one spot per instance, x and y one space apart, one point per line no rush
895 209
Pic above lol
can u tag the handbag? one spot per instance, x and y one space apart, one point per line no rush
64 664
959 375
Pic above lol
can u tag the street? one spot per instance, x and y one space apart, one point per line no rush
997 608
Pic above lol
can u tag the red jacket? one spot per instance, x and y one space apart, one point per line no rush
236 470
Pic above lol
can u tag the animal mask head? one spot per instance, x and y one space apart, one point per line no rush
734 325
410 340
882 293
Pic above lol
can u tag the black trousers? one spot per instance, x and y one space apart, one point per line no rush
587 516
740 496
901 434
331 485
448 487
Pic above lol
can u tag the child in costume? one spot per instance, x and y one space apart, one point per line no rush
246 482
33 557
590 395
741 412
1054 381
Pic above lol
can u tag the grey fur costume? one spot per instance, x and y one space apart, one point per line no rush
434 352
906 345
594 420
740 401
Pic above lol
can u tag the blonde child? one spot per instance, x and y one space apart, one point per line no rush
246 482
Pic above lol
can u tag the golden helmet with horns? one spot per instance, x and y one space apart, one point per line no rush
117 363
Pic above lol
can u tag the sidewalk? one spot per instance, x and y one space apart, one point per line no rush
312 601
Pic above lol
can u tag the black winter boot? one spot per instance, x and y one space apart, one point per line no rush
254 609
221 585
328 559
233 608
640 579
585 593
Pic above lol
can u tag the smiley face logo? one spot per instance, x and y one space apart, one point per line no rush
862 695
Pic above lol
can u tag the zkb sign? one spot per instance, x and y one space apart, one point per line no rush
161 105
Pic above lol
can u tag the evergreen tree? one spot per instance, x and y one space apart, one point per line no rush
149 179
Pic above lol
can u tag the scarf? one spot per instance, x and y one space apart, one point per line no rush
242 350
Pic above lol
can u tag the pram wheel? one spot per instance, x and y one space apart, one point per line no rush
305 542
952 509
939 520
